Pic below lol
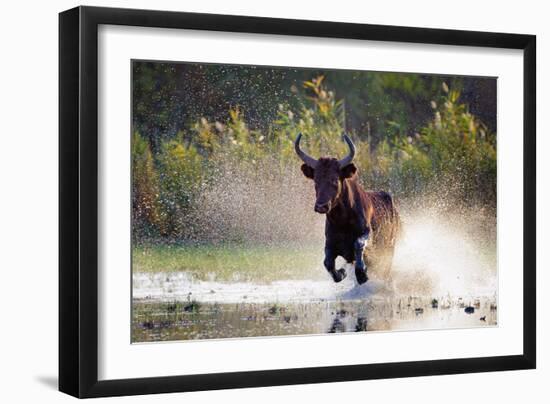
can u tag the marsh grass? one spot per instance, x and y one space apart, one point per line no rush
231 263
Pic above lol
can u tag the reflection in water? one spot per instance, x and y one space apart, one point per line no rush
339 323
154 321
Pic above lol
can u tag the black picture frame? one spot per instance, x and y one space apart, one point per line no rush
78 201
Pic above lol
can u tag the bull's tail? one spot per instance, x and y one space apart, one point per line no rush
396 223
393 219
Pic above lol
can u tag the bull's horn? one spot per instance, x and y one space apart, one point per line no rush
310 161
349 158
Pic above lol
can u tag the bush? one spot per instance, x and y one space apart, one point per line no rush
453 154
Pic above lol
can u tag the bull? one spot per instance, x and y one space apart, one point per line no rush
360 226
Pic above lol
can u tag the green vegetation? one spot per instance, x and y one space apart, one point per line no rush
452 156
170 97
230 263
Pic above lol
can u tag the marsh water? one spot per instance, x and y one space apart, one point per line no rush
157 323
172 308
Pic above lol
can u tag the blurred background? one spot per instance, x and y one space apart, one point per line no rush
213 154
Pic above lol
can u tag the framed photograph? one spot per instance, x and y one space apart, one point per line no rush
252 202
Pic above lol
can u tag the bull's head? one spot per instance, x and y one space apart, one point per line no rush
328 174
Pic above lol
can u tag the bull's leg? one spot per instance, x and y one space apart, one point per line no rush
330 265
360 267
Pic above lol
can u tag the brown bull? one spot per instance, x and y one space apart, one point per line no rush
360 226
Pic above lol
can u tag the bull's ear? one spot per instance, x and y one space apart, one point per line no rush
348 171
308 171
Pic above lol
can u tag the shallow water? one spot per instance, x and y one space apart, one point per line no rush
179 286
449 260
174 307
161 322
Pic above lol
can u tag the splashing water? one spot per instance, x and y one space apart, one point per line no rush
449 255
443 250
262 205
434 257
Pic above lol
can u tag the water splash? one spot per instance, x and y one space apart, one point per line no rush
450 254
444 249
263 204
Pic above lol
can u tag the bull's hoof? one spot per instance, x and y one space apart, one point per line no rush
339 275
361 275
